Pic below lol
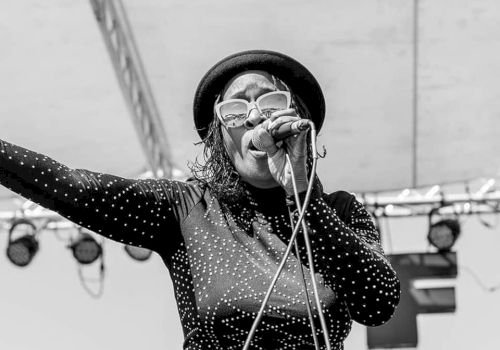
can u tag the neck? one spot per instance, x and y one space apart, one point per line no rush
267 199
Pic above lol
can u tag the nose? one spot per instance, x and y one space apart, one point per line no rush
254 118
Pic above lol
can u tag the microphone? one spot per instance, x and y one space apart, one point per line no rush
289 129
282 132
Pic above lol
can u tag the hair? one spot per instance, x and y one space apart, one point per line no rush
217 172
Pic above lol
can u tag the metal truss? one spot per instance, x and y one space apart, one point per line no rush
116 30
453 199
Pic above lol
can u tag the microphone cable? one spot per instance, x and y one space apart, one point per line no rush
304 285
293 242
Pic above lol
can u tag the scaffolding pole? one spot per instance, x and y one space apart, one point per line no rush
116 30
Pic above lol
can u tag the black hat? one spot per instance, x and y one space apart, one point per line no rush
300 81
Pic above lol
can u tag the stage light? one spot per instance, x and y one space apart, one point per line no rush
85 248
22 250
443 234
138 253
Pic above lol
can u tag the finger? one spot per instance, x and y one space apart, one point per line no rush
281 120
282 112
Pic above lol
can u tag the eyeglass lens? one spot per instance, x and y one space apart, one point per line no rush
235 113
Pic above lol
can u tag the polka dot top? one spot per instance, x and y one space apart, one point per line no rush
222 257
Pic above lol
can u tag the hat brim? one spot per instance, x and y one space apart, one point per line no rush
300 81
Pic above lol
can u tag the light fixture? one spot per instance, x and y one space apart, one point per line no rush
138 253
443 233
22 250
85 248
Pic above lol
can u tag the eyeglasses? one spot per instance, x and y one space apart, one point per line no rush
233 113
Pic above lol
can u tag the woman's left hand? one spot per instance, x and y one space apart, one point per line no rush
295 146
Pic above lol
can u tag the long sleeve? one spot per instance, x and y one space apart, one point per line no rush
137 212
351 258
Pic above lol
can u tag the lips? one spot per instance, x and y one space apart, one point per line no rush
258 154
255 152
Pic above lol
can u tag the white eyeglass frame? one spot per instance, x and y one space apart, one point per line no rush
219 105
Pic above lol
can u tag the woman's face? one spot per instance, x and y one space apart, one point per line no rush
250 163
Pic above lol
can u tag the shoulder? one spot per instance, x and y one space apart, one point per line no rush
192 187
177 189
196 188
342 201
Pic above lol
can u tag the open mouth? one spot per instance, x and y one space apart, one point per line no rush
252 147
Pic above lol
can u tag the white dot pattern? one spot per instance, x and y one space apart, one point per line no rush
222 257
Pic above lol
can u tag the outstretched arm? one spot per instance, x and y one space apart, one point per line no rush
136 212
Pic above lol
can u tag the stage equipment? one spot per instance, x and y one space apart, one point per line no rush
85 248
401 331
115 28
138 253
22 250
453 199
443 233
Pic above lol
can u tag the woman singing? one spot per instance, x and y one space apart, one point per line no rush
222 234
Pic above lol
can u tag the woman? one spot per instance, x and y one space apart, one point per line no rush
222 234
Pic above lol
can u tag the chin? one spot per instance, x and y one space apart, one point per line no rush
260 178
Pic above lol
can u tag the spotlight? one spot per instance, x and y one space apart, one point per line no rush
443 234
85 248
138 253
22 250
